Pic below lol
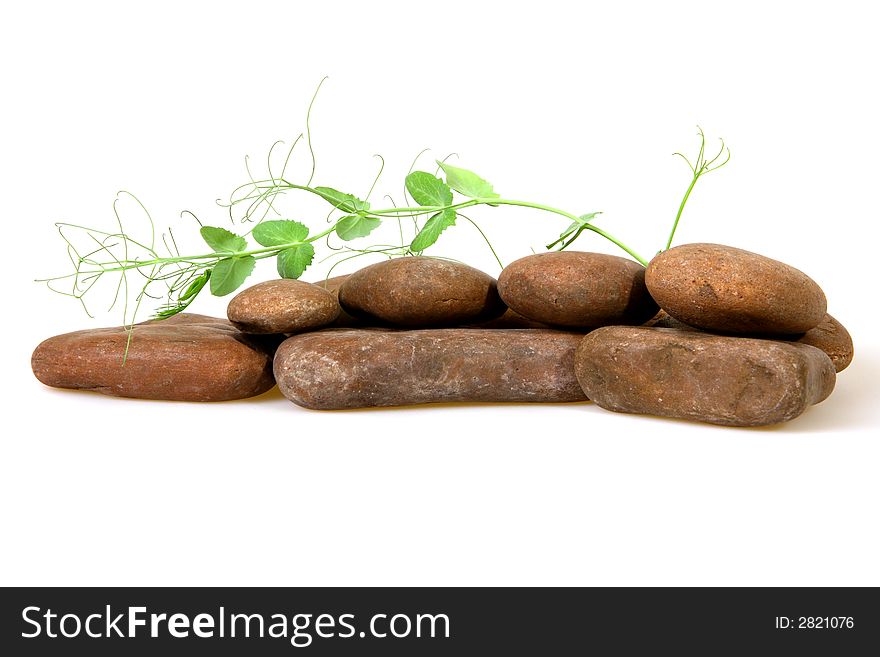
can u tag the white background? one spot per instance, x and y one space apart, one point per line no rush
578 105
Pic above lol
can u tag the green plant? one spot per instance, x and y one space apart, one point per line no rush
432 203
699 168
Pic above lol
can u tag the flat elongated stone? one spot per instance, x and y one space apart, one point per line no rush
282 306
339 369
421 292
577 290
720 288
711 378
831 337
184 358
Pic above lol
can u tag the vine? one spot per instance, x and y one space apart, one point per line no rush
436 201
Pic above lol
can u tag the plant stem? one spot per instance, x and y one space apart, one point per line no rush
681 209
270 251
524 204
265 252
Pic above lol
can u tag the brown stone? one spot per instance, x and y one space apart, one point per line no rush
184 358
720 288
697 376
421 291
340 369
282 306
664 320
831 337
332 285
577 289
511 320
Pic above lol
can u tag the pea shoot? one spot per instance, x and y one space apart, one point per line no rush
152 268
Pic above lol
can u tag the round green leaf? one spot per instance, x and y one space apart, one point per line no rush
222 241
229 273
354 226
281 231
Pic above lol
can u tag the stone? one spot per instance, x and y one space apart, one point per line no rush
339 369
511 320
692 375
421 292
576 289
721 288
332 285
664 320
282 306
831 337
184 358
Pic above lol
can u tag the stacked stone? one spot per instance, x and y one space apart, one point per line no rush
707 333
742 340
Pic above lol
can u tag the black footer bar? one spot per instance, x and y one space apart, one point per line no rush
438 621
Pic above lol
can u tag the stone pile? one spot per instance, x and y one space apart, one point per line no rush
707 332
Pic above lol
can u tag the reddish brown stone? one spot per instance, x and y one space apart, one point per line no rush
344 319
282 306
831 337
693 375
664 320
720 288
339 369
184 358
333 283
511 320
577 290
421 291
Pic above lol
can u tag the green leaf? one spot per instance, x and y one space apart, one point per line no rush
467 182
230 273
292 262
184 300
432 229
427 189
575 225
196 286
222 241
354 226
281 231
342 201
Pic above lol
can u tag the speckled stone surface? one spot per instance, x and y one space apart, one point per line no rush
720 288
577 289
421 292
339 369
511 320
697 376
184 358
282 306
332 285
831 337
664 320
